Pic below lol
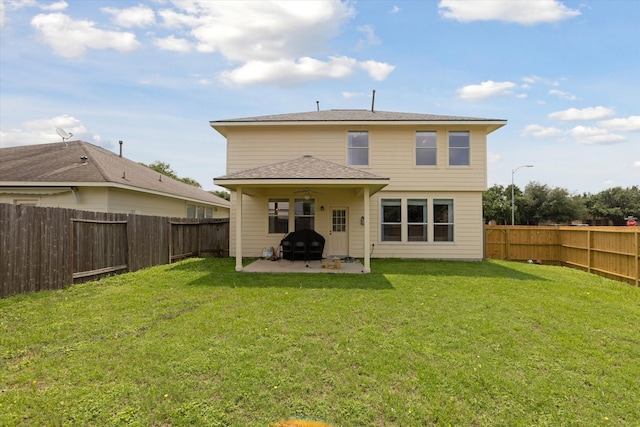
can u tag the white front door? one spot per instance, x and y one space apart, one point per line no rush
338 242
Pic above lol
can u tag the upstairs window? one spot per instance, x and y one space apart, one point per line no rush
278 216
459 149
358 148
426 149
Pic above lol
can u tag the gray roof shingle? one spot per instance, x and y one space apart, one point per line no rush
305 167
351 116
61 163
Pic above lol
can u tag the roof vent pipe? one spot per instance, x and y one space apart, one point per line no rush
318 105
373 100
120 148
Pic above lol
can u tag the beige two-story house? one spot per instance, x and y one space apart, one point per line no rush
372 183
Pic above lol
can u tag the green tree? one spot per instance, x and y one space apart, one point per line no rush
614 204
165 169
224 194
496 204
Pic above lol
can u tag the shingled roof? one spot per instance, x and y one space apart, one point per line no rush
305 167
353 115
81 163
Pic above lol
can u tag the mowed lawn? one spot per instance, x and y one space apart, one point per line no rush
415 343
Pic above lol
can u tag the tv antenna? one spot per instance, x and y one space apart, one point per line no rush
64 135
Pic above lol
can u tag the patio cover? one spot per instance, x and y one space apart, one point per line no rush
306 171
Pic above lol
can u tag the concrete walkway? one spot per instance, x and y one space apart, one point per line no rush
286 266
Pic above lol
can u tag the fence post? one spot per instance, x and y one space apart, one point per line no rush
72 237
506 246
589 253
170 240
637 259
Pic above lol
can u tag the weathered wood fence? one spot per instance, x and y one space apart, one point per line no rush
50 248
612 252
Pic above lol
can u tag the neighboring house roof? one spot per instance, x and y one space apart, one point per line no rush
309 169
354 117
80 163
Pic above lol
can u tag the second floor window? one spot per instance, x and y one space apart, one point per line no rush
358 149
459 149
426 149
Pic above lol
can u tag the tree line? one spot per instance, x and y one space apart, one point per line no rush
165 169
541 204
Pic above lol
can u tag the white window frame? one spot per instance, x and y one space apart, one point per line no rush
422 144
459 149
352 150
439 223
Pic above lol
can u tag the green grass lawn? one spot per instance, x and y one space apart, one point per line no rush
415 343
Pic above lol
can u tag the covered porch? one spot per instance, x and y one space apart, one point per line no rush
271 201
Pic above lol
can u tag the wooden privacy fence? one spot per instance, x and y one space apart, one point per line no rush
50 248
612 252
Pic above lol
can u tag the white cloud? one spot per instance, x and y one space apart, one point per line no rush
486 90
43 131
71 38
55 7
541 131
351 94
494 158
628 124
394 9
562 95
595 136
370 37
590 113
288 71
522 12
138 16
173 44
636 164
377 70
261 31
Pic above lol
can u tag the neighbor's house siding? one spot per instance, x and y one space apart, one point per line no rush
112 200
127 201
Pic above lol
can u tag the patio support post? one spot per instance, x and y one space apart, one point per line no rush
238 218
367 232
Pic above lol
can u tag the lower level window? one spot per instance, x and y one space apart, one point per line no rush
278 216
304 214
417 220
443 220
196 211
391 220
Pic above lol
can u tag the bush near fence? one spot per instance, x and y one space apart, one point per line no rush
612 252
51 248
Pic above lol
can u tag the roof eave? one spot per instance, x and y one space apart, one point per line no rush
374 184
36 184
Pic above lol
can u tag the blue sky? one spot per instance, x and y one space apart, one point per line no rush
565 74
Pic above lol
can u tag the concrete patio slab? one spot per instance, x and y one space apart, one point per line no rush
287 266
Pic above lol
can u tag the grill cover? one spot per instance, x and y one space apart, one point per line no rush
313 245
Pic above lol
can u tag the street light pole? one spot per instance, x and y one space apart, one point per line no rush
513 204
